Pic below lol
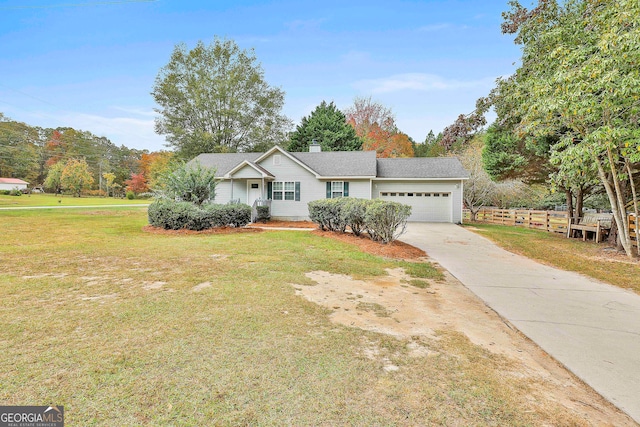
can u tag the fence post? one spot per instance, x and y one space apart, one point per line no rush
547 221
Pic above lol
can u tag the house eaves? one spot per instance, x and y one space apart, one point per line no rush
262 171
287 154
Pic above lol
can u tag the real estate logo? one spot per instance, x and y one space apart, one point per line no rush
31 416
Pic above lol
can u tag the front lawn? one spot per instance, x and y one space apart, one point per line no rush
129 328
595 260
58 200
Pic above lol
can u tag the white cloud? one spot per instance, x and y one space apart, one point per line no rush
418 82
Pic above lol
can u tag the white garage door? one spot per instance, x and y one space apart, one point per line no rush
431 207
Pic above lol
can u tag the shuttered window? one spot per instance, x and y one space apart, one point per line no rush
337 189
284 190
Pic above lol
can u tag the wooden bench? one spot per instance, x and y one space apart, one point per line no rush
598 223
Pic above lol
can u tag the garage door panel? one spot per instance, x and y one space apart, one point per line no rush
425 206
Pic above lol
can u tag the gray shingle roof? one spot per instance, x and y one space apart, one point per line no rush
349 163
421 167
340 163
224 162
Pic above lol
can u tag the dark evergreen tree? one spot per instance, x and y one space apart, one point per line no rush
328 127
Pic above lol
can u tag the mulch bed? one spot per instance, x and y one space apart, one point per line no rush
396 250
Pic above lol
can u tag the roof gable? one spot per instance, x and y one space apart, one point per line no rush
261 172
224 162
287 154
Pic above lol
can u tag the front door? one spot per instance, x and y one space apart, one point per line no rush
254 190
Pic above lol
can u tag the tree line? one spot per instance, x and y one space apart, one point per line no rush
92 162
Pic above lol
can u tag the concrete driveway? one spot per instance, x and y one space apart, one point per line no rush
590 327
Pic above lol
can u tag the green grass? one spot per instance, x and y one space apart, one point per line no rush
568 254
102 318
419 283
54 200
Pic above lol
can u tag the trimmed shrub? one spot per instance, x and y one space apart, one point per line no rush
353 214
264 213
239 214
131 195
327 213
172 215
15 192
386 221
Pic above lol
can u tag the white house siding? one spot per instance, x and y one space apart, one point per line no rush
418 186
247 172
310 187
10 187
223 192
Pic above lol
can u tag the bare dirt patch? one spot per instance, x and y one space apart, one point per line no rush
219 230
390 305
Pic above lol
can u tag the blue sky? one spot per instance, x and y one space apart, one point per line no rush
91 65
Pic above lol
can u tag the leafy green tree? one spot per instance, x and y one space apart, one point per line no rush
431 146
215 99
76 176
190 182
20 146
580 73
328 127
53 177
508 156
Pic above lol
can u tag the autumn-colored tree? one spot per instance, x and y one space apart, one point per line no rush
387 144
55 148
155 165
53 177
137 183
365 113
76 176
109 179
463 129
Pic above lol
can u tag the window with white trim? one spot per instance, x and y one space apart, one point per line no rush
337 189
284 190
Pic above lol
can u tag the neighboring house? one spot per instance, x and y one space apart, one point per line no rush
432 186
13 184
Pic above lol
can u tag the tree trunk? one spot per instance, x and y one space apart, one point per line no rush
579 201
635 200
474 213
569 202
616 199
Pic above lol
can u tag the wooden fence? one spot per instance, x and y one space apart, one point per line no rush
552 221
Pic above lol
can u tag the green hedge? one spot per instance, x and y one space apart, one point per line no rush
383 221
172 215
